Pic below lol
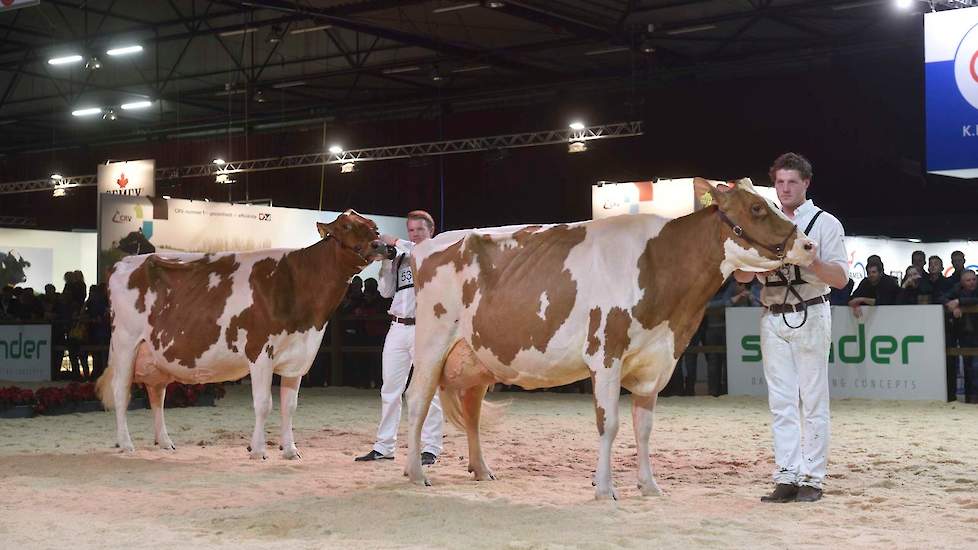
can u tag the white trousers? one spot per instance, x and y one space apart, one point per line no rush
796 369
398 356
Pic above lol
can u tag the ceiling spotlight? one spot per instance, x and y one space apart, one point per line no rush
494 5
455 7
275 35
310 29
65 60
576 147
335 149
59 192
110 115
87 111
646 46
436 75
397 70
57 177
136 105
125 50
93 64
219 161
577 125
347 168
260 96
904 4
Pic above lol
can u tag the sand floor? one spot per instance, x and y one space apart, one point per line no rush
902 475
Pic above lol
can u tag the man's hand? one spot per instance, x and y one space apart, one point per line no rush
952 305
956 312
388 239
857 311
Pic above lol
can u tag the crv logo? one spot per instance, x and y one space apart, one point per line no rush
852 348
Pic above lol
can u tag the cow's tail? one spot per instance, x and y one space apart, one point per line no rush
103 387
451 407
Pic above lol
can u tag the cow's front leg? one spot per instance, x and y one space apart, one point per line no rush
261 394
643 408
607 388
288 399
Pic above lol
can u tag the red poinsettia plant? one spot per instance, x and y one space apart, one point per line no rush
13 396
54 397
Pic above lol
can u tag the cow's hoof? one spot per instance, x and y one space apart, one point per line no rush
650 490
484 476
258 455
126 447
291 454
167 445
609 494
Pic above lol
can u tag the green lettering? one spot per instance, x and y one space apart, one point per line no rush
878 352
40 344
859 340
752 343
905 346
29 349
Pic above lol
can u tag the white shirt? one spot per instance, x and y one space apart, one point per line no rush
829 235
388 282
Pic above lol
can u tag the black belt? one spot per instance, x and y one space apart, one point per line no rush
406 321
793 308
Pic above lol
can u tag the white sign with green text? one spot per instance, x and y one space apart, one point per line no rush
891 352
25 353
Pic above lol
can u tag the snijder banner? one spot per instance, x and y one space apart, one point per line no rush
25 353
134 178
891 352
131 225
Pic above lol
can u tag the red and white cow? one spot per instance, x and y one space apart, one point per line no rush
197 318
616 299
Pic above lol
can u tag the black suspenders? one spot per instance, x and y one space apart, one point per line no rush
397 277
797 280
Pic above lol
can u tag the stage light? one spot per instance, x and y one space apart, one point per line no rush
125 50
577 125
335 149
87 111
136 105
65 60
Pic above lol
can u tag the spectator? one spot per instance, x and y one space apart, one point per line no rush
29 309
8 304
918 259
910 287
957 262
965 333
935 285
72 318
50 305
97 313
354 296
876 289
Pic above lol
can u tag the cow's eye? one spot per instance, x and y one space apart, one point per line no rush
347 227
757 209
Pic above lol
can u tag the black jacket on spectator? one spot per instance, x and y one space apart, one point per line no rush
967 325
936 289
886 292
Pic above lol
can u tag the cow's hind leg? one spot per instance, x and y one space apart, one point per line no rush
122 364
472 408
643 407
607 389
157 396
261 394
429 361
288 399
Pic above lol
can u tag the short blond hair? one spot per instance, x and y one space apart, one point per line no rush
423 216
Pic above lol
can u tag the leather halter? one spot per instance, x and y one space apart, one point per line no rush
778 250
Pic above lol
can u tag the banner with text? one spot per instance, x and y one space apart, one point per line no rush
951 91
135 178
141 225
25 353
892 352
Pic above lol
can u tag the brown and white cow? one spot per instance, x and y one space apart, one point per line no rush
197 318
616 299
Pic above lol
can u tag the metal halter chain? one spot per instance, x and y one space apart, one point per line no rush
778 250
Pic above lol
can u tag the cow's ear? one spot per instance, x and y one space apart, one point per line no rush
323 228
721 196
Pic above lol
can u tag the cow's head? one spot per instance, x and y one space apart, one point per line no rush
355 233
759 236
14 268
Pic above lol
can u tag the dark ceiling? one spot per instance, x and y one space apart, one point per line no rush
272 64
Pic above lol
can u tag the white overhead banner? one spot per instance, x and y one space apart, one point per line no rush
892 352
141 225
133 177
670 199
25 353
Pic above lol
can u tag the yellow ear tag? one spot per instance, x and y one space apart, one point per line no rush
706 199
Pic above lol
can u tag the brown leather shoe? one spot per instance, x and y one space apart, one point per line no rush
783 492
807 493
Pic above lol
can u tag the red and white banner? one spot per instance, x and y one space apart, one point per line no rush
134 178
